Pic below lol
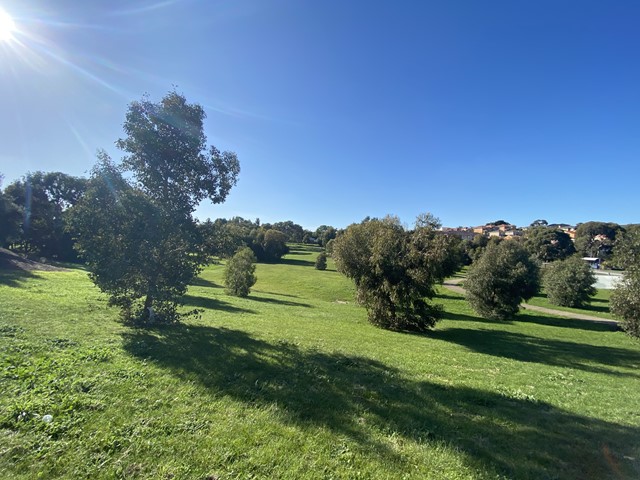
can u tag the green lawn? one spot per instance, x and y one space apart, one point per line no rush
293 382
598 307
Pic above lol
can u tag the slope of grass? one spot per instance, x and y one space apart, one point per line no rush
292 382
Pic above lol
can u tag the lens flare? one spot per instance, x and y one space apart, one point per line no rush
7 26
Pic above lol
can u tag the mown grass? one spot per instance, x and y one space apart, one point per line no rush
292 382
597 307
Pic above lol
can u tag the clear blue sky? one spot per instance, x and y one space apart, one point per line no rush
473 110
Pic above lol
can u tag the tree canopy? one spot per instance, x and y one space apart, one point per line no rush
548 244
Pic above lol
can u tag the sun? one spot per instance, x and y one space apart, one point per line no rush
7 26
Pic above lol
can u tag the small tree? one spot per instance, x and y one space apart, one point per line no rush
395 271
239 274
139 237
569 283
501 279
321 261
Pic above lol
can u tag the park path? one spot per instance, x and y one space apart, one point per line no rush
452 284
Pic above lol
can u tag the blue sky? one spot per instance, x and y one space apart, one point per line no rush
475 111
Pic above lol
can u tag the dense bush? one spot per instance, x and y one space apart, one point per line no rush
501 279
395 271
321 261
239 274
569 283
625 300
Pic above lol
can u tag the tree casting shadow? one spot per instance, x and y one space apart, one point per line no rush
357 397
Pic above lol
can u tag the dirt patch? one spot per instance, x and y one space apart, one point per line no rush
12 261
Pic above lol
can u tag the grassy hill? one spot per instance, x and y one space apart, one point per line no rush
292 382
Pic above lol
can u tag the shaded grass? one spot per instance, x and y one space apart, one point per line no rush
292 382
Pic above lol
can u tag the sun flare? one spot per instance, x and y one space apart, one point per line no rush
7 26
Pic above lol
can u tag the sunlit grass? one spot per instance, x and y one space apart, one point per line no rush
292 382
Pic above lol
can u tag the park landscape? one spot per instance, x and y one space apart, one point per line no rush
154 345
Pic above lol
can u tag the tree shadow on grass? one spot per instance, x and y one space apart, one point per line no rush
16 277
295 261
527 348
564 322
213 304
276 301
374 405
201 282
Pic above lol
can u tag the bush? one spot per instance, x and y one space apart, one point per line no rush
501 279
239 274
395 271
569 283
321 261
625 303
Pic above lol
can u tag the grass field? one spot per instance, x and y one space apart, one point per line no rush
292 382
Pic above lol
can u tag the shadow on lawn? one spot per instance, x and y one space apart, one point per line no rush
527 348
288 303
201 282
213 304
295 261
16 277
369 401
565 322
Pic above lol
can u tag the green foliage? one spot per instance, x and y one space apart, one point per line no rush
141 242
321 261
627 248
239 273
625 302
596 239
569 283
548 244
293 231
324 233
501 279
10 219
44 198
395 271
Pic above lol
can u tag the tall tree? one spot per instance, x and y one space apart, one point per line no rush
141 242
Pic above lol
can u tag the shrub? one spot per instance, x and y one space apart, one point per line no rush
395 271
321 261
625 303
569 283
501 279
239 274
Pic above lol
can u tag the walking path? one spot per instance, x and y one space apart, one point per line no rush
452 284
